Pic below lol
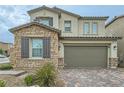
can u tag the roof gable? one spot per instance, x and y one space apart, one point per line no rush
114 19
67 12
59 10
34 23
42 8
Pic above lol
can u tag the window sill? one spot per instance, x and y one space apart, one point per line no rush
89 34
67 31
35 58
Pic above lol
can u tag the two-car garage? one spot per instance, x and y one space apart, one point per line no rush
85 55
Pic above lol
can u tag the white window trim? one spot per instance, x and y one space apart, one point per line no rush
88 28
30 51
43 20
96 28
70 26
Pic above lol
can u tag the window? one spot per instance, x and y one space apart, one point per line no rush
86 28
37 48
94 28
45 20
67 25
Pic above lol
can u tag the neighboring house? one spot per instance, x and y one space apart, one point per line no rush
116 27
64 38
5 47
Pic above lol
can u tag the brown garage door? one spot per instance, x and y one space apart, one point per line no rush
85 56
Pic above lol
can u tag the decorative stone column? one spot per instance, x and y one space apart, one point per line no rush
61 63
113 59
61 56
113 62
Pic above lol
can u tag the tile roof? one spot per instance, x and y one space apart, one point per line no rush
91 37
33 23
95 17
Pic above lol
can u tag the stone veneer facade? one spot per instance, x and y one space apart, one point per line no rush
37 31
113 62
33 31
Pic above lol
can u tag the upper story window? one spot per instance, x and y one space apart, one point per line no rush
86 28
45 20
94 28
67 26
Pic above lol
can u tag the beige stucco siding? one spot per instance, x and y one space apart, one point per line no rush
100 26
46 13
117 28
74 25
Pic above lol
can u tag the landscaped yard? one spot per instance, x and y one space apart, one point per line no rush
13 81
79 78
46 76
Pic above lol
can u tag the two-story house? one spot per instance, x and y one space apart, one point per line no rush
116 27
63 38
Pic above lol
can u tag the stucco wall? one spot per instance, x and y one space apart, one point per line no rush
74 25
46 13
117 28
100 23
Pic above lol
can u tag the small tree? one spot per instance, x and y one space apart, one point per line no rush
1 51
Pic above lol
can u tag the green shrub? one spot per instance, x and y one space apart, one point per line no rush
2 83
29 80
5 66
46 75
1 51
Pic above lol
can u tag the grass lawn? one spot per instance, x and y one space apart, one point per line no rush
6 66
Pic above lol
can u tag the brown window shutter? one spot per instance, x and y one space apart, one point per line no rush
51 21
46 47
24 47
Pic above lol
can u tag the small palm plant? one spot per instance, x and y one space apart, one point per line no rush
46 75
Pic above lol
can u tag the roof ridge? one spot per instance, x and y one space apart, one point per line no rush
94 16
60 9
114 19
40 8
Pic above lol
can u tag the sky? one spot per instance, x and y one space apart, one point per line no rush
11 16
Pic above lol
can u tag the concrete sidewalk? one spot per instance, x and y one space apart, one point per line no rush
12 72
4 60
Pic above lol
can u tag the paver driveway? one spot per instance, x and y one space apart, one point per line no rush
93 77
